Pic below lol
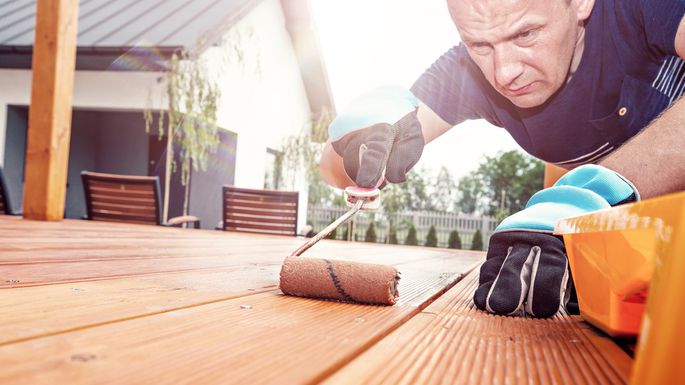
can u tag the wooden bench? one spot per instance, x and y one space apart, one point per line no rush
127 198
260 211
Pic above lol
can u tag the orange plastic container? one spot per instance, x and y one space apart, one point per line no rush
612 270
620 255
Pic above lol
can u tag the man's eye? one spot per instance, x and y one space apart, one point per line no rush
527 36
480 48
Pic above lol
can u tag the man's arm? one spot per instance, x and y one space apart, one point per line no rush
654 159
331 164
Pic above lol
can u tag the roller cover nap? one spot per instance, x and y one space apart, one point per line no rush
340 280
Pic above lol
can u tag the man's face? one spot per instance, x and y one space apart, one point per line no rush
524 48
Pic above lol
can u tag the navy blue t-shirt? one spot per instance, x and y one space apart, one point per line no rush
629 72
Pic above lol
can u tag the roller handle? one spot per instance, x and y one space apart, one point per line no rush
343 218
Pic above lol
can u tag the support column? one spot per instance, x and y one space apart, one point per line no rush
47 150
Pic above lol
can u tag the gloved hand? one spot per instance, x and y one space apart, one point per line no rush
526 267
378 127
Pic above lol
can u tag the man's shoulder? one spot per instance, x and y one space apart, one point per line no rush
643 26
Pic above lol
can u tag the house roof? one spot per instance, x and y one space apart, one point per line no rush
136 35
149 31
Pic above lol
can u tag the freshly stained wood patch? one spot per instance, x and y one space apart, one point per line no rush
452 342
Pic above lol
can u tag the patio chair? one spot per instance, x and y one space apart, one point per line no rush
5 205
260 211
127 198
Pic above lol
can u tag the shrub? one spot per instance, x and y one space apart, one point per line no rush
455 241
477 242
432 237
392 236
411 236
370 233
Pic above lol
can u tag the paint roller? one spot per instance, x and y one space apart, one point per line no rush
341 280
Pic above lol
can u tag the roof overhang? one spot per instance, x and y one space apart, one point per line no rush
97 58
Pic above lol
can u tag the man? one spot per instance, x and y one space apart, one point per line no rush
575 82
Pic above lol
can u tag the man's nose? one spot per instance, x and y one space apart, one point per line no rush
508 67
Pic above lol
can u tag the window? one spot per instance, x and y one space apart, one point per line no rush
273 169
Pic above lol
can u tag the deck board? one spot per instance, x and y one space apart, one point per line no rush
36 253
100 302
32 312
259 338
278 339
132 303
452 342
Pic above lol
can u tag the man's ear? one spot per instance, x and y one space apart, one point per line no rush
584 8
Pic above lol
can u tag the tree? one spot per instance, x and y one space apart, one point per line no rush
432 237
469 189
443 191
370 233
510 180
411 236
455 241
502 184
412 194
191 120
392 235
302 152
193 97
477 241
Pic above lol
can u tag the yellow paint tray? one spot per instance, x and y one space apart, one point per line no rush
614 255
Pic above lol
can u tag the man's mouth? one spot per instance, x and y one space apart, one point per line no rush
518 91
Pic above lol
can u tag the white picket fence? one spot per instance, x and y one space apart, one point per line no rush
466 225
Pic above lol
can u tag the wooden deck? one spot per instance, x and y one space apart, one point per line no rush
96 302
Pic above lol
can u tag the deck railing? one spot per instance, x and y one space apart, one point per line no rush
466 225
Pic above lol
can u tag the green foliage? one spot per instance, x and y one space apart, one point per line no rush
302 152
409 195
432 237
501 214
502 184
454 241
392 235
470 190
370 233
477 242
411 236
346 229
189 120
193 101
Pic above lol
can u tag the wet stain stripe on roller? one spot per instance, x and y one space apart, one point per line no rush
336 281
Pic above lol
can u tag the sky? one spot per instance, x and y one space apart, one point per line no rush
368 43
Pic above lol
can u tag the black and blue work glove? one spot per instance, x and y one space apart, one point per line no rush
378 128
526 267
